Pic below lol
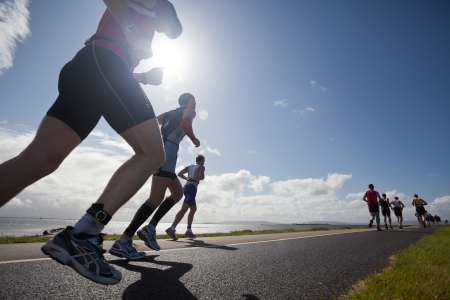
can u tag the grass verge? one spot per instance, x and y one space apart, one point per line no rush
112 237
422 271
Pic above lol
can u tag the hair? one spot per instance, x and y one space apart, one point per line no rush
199 158
384 195
396 198
415 195
185 98
371 186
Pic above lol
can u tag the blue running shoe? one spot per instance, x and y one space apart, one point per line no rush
84 256
148 235
127 250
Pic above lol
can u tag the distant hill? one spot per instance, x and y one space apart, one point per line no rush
246 222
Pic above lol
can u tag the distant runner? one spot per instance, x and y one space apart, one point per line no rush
372 197
398 206
175 124
195 174
385 210
419 203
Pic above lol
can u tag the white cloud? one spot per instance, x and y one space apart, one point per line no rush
14 28
330 139
257 184
281 103
309 108
4 122
253 152
210 150
323 88
312 82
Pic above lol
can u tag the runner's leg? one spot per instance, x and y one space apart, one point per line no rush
53 142
191 214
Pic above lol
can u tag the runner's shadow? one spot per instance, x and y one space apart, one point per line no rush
202 244
157 283
249 297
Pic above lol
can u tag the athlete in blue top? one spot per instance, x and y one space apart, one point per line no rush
175 125
195 173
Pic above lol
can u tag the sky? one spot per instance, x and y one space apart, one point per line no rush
300 105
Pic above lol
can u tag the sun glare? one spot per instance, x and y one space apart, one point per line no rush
203 114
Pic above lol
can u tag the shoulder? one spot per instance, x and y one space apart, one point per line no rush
189 113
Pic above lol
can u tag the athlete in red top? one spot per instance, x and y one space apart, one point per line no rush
98 82
372 198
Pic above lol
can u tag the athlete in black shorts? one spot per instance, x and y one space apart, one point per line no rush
385 211
98 82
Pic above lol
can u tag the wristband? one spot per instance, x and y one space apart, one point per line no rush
144 78
129 28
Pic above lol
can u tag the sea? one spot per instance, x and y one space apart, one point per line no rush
36 226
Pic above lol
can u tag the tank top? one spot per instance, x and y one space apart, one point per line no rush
193 175
145 21
171 127
384 203
371 197
418 202
396 203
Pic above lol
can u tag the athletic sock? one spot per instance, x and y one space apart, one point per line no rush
86 228
143 213
163 209
189 229
172 228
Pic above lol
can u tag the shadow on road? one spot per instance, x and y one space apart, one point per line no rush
249 297
157 283
200 244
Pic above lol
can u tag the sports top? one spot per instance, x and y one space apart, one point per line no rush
193 175
397 203
384 203
145 21
171 128
418 202
371 197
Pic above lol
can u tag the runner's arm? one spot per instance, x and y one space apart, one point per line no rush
186 125
152 77
160 118
365 197
182 172
424 202
201 173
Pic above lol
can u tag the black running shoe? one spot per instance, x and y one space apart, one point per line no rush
84 256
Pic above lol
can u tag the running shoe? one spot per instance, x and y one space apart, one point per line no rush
385 226
379 229
148 235
189 234
390 226
127 250
400 227
84 256
171 233
370 224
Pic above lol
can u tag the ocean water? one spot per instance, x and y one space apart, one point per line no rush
29 226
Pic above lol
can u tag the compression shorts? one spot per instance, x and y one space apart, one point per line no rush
95 83
190 192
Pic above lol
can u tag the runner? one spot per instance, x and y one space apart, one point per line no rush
372 197
419 203
98 82
384 204
427 218
175 125
398 206
438 219
195 174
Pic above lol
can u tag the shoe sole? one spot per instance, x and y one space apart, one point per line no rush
142 237
173 237
63 257
124 255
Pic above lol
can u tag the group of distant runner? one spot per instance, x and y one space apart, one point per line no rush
375 202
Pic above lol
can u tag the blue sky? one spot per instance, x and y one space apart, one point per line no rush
303 104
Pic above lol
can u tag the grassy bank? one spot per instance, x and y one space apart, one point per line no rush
422 271
112 237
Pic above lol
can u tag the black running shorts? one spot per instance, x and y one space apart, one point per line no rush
95 83
374 208
386 212
397 211
420 210
165 174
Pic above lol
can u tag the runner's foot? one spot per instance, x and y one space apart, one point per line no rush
400 227
84 256
370 223
390 226
148 235
379 229
171 233
385 226
126 250
189 234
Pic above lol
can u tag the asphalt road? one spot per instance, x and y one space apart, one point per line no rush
315 267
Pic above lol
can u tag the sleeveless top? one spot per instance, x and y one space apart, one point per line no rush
145 21
371 197
418 202
384 203
171 128
193 175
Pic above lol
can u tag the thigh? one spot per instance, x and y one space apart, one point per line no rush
176 190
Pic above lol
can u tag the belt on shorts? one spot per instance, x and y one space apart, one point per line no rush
116 42
193 180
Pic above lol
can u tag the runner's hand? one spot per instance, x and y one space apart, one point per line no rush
154 76
196 143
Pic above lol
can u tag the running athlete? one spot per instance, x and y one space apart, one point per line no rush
398 206
98 82
419 203
175 124
372 197
195 173
384 204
